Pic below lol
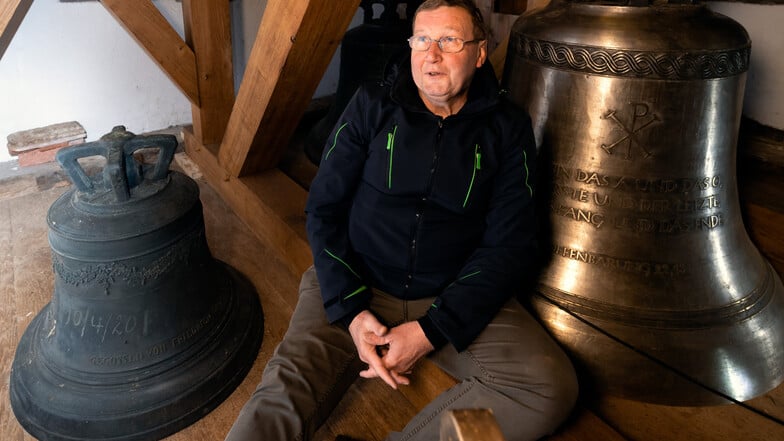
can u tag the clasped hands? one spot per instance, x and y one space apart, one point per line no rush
390 353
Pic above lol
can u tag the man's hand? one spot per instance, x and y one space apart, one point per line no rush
407 343
368 335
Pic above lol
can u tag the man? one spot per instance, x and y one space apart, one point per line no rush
421 223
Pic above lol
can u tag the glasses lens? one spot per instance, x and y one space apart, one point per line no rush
451 44
419 43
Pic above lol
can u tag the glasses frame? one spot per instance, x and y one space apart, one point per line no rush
439 43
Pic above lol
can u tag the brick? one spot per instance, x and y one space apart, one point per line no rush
45 138
43 155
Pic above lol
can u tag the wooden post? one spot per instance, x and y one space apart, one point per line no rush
208 32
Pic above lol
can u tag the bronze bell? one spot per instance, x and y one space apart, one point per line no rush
651 281
146 332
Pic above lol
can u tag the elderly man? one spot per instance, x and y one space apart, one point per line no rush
421 222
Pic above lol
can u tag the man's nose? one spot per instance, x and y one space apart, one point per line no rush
434 51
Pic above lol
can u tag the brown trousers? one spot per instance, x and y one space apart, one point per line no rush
513 367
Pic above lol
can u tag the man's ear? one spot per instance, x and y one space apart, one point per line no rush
482 55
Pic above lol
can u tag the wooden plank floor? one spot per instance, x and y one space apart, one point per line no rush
370 409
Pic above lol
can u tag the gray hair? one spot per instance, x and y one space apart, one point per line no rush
481 31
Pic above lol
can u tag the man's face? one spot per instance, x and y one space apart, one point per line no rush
443 78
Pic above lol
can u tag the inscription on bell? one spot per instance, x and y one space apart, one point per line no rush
105 326
642 205
593 178
156 350
642 267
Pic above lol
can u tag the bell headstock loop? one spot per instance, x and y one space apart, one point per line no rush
122 170
167 145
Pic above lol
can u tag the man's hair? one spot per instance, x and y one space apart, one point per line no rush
481 31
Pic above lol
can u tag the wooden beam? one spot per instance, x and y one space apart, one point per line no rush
269 203
293 47
155 35
208 32
11 14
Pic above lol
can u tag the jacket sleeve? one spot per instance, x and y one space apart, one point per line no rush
343 289
505 259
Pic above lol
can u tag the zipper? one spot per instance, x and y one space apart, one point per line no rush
477 167
391 150
420 207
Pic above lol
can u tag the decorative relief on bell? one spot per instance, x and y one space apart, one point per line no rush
640 118
671 65
132 273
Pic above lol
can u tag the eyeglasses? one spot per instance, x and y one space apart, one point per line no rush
422 43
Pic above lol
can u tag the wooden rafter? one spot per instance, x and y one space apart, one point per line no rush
11 14
294 45
156 36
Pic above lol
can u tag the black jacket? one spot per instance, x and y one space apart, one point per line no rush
420 206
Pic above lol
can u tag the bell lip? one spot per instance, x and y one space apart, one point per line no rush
609 350
202 395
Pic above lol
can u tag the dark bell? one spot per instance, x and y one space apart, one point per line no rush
146 331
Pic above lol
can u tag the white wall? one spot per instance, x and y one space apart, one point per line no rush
764 99
73 61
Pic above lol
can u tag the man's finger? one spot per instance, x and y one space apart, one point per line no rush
377 366
373 339
400 378
368 373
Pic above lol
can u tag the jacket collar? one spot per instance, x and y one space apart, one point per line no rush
483 93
